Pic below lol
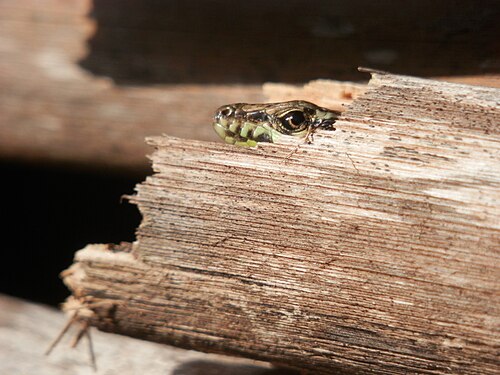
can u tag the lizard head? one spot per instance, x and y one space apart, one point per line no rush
248 124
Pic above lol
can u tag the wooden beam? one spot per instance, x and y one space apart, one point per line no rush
376 248
54 107
53 110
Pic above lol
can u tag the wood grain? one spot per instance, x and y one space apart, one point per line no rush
376 248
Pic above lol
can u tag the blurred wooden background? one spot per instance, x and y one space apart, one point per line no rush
83 82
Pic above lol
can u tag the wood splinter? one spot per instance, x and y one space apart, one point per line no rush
82 310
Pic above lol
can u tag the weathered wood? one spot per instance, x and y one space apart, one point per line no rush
54 107
26 329
376 248
488 80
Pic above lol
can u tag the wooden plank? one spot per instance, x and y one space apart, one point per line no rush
27 329
376 248
59 63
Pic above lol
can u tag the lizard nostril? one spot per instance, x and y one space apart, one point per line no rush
225 111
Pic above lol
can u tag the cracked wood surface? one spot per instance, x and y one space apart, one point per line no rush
376 248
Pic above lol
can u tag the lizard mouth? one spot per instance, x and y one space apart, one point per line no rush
244 133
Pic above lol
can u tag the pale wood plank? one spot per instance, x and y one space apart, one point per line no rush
27 329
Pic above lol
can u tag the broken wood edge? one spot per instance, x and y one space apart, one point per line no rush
85 310
101 313
87 307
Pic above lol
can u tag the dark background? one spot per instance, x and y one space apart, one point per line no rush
227 41
52 211
57 211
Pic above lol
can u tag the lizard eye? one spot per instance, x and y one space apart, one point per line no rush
293 120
